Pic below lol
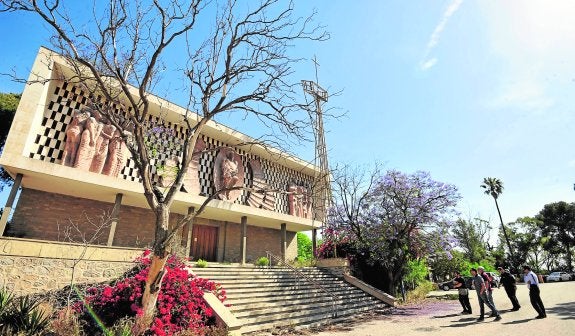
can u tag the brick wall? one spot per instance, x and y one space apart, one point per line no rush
47 216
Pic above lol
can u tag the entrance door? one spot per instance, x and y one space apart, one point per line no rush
204 242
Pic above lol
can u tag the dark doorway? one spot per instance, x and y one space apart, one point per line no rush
204 242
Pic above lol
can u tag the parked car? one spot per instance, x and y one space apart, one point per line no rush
447 285
559 276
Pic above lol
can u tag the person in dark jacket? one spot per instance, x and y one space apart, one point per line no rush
459 283
508 282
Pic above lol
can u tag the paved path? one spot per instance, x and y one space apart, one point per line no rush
443 318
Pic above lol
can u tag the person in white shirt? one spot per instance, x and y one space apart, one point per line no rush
534 293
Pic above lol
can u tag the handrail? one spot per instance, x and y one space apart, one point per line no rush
316 284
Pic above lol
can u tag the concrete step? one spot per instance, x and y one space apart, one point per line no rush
272 299
307 320
265 292
266 297
277 279
312 305
261 276
285 300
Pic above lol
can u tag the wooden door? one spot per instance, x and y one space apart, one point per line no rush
204 242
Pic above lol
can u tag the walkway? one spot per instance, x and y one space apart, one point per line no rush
443 318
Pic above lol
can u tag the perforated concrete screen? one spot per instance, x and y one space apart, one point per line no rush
65 98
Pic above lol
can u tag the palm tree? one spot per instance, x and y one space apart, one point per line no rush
494 187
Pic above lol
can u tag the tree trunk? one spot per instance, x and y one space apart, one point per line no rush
569 257
513 260
389 283
156 274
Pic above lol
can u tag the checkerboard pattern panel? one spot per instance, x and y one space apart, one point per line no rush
50 140
168 141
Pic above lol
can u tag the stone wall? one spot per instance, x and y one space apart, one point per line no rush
29 275
28 267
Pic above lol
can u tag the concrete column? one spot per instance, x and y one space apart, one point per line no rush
283 241
189 238
115 218
314 241
9 203
244 239
225 241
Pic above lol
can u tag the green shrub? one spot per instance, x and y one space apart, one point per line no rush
5 301
417 272
22 315
304 247
201 263
262 261
300 262
420 292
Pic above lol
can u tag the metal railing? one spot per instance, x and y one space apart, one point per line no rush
309 279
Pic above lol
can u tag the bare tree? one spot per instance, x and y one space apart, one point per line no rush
85 233
241 67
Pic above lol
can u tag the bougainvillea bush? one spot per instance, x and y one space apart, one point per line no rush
180 303
336 244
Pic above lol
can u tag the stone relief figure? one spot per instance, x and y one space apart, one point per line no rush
260 197
94 144
299 201
228 173
102 146
87 147
73 136
117 155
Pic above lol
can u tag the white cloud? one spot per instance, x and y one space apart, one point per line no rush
427 63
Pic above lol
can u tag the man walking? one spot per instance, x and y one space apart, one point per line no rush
459 283
481 290
508 282
487 279
534 293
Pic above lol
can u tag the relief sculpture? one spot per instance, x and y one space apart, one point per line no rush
94 146
260 195
299 201
117 156
73 136
228 174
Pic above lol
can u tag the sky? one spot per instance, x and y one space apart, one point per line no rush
462 89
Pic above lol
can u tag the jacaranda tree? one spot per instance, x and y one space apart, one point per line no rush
390 219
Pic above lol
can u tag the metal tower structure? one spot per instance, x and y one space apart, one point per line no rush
322 184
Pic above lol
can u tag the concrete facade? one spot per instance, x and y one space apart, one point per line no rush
56 196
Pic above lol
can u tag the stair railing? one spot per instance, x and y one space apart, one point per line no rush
309 279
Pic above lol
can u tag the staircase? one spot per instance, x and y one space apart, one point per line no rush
263 298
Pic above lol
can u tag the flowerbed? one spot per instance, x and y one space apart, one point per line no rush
180 303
